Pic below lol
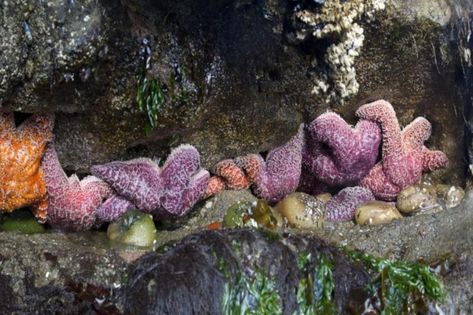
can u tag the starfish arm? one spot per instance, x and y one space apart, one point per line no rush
180 165
194 193
137 180
383 113
332 130
38 127
95 186
416 133
40 210
252 165
233 175
343 205
370 137
113 208
325 170
379 184
216 184
55 178
433 160
283 167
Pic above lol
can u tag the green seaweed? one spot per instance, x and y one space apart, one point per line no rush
256 296
315 289
150 97
21 221
401 287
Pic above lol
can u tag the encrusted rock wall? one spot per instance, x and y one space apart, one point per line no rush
233 80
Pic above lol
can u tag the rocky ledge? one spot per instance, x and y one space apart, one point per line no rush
82 273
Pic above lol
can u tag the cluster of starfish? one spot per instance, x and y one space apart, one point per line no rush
332 154
328 153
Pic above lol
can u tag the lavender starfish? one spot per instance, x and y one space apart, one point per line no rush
72 203
343 205
337 154
168 191
280 174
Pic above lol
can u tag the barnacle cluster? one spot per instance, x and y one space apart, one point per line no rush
336 21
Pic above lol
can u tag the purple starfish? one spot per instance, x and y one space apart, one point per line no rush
337 154
404 155
72 203
168 191
280 174
343 205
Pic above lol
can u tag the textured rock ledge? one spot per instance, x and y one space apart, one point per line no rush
70 273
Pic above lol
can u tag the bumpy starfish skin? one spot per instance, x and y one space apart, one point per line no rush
337 154
72 202
113 208
228 175
167 191
21 151
343 205
280 174
404 156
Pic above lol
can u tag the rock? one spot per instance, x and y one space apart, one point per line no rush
418 199
303 211
451 196
134 228
190 277
376 212
82 61
208 212
55 273
80 272
441 238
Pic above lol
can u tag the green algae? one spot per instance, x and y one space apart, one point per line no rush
251 296
401 287
315 289
234 215
22 222
150 98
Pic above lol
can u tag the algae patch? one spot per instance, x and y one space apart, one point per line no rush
401 287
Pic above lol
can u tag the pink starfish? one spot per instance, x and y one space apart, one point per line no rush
404 155
279 175
72 203
337 154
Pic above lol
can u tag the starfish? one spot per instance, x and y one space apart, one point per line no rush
337 154
279 175
167 191
404 155
228 175
21 150
343 205
72 202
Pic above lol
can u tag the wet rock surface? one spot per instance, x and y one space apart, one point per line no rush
233 82
53 272
189 278
59 273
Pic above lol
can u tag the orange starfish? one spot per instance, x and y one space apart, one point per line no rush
228 175
21 150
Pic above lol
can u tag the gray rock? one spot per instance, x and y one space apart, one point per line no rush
188 279
233 82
